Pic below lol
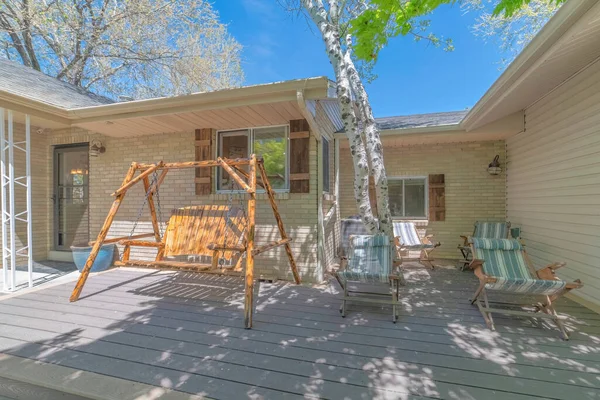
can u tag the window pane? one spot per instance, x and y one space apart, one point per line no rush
415 198
395 194
271 145
231 145
325 165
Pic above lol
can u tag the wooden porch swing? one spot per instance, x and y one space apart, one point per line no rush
197 230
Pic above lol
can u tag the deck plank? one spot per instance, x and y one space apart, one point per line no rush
185 331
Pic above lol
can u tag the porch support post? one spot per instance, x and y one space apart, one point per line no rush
3 181
11 202
29 214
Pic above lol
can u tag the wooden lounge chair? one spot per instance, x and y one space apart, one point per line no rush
370 261
502 265
407 239
482 229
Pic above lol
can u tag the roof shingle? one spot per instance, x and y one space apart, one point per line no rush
23 81
421 120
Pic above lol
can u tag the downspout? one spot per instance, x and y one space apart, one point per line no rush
320 227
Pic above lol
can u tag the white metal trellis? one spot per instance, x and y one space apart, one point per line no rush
10 217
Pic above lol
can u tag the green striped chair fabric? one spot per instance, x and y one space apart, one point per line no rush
504 259
369 259
491 230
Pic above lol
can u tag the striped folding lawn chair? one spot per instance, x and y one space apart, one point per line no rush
370 261
482 229
348 227
407 239
502 265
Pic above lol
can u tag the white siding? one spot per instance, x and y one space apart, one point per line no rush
553 180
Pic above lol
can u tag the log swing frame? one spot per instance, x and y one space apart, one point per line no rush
246 180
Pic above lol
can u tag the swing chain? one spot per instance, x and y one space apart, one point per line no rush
227 222
158 208
141 209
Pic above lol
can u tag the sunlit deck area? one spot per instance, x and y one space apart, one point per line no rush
155 334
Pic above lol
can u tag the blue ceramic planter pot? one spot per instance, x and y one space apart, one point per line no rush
103 261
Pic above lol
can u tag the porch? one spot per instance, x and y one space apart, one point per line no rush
136 332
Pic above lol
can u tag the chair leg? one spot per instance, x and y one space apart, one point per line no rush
489 314
343 306
426 258
548 308
395 292
477 293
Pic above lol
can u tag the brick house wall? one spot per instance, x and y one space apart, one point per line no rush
298 210
471 193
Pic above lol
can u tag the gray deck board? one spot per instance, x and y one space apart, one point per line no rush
184 331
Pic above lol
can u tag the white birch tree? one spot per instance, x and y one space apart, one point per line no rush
354 31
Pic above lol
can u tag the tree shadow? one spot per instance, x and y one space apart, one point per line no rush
184 331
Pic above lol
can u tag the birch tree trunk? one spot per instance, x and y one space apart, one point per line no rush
331 37
367 153
373 144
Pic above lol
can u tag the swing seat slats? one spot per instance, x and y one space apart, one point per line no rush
207 230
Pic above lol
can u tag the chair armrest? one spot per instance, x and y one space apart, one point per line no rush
427 239
477 267
548 272
465 240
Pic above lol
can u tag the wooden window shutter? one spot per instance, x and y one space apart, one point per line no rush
299 156
437 198
372 195
204 152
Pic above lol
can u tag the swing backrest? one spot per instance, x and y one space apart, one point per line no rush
191 229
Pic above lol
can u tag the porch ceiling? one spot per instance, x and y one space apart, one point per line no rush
278 113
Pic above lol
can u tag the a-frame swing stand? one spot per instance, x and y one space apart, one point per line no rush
246 180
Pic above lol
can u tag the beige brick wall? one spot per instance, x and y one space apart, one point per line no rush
299 211
40 196
471 193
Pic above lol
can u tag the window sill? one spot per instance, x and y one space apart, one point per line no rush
237 196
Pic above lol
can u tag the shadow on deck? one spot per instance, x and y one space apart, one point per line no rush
184 331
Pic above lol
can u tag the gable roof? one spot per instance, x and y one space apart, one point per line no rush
421 120
26 82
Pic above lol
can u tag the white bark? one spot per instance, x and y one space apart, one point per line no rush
373 144
331 37
367 151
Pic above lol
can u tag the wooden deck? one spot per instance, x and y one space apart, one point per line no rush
184 331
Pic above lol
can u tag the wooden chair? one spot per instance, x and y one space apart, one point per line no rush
502 265
207 231
482 229
407 239
370 261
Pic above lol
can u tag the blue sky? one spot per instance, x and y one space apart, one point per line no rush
412 77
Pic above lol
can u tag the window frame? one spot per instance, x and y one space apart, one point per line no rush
328 170
250 141
426 193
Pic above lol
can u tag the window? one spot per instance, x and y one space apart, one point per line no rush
408 197
270 143
326 171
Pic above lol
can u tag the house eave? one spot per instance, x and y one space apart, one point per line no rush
412 131
527 62
313 88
